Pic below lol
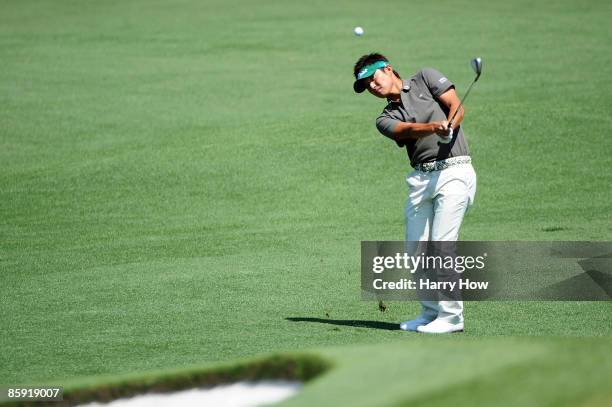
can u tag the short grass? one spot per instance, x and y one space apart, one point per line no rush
188 182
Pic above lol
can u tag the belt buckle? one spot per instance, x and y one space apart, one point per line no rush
427 167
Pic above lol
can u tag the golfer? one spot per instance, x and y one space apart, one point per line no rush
443 182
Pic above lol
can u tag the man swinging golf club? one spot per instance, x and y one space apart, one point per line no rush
424 116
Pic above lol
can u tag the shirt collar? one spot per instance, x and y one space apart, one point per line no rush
405 88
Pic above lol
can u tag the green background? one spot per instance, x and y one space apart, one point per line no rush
179 178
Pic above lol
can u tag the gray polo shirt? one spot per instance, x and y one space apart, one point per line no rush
420 104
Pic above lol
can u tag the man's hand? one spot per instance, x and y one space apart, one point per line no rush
440 128
444 132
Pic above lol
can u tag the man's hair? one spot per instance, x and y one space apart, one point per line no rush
370 59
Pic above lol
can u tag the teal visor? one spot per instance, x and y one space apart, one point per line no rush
366 72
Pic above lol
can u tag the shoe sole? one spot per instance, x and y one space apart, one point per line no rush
440 333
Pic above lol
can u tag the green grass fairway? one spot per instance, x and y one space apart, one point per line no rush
187 183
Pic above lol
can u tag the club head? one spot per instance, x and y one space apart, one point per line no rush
477 66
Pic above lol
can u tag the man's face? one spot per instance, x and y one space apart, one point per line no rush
381 83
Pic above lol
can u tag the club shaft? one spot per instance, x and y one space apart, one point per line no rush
452 120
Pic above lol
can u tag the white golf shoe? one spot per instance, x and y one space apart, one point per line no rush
440 326
415 323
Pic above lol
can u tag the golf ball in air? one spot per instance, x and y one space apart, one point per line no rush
358 31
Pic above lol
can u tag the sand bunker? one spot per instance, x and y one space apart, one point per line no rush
242 394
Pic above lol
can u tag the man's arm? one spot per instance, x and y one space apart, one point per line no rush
402 131
411 131
444 91
452 102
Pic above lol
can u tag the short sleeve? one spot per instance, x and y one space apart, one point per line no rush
436 81
386 125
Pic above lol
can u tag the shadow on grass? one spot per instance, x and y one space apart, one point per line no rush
349 322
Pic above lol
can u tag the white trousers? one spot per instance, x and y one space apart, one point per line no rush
436 205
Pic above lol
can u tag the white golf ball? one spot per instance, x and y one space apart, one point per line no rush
358 31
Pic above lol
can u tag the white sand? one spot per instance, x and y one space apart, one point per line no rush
242 394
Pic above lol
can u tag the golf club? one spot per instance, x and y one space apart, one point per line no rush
477 67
